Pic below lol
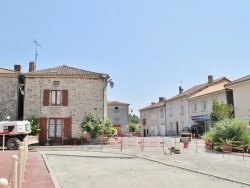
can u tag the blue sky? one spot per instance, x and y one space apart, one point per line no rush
148 47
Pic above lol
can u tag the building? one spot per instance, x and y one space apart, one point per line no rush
200 104
11 96
194 105
190 107
241 97
62 96
118 115
153 119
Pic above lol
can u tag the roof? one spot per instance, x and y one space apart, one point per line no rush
64 71
153 105
239 81
7 71
197 89
116 103
211 89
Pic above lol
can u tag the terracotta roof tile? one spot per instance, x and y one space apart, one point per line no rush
116 103
63 71
7 71
155 105
240 80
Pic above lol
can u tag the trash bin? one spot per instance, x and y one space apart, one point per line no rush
185 144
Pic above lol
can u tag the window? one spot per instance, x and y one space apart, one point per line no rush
55 97
195 107
143 121
204 105
162 113
182 109
171 126
170 112
55 83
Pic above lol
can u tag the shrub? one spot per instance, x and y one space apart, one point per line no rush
34 124
228 130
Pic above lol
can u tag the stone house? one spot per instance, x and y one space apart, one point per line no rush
241 97
118 115
153 119
62 96
11 96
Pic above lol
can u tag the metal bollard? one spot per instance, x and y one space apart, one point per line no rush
14 171
3 183
20 168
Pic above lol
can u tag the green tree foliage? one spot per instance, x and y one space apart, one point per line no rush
133 128
229 130
94 127
133 119
34 123
221 111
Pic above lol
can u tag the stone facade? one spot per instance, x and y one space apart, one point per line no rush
9 94
78 93
118 115
84 96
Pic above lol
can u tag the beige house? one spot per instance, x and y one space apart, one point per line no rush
118 115
241 96
189 107
200 104
153 119
11 96
194 105
62 96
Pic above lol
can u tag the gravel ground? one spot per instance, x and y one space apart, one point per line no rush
98 169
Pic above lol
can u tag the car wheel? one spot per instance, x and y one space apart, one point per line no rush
13 143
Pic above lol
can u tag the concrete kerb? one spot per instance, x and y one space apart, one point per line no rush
53 177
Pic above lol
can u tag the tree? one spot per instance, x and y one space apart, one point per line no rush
221 111
133 119
34 124
92 125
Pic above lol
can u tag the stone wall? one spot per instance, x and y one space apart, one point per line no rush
8 97
84 96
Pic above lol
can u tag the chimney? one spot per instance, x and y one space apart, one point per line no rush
210 79
162 99
180 89
17 68
31 66
152 103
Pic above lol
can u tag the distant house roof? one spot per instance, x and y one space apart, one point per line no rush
239 81
64 71
220 86
196 89
7 71
153 105
116 103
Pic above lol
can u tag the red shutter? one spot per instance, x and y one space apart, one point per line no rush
43 127
67 123
64 97
46 93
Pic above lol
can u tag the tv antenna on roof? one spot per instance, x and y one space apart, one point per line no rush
36 43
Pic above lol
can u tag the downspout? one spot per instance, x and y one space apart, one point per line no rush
166 118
